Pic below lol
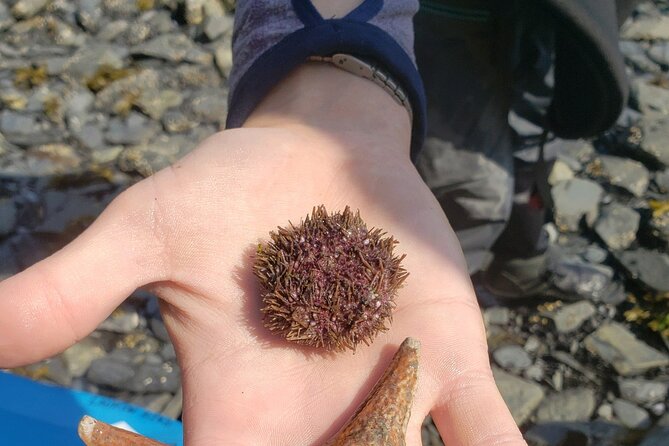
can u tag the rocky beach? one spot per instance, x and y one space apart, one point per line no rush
97 94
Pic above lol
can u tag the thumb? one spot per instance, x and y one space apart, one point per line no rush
61 299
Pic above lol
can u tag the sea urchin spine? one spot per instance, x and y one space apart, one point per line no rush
329 282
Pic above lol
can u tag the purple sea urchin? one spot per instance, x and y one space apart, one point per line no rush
329 282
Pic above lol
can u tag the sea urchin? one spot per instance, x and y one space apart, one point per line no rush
329 282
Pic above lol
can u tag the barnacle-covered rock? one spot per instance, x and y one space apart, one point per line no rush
329 282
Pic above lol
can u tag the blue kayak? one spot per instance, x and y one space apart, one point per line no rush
36 414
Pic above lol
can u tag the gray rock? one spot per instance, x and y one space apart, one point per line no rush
155 102
575 199
89 59
631 415
149 158
174 407
636 56
209 105
134 129
6 19
496 316
112 30
595 254
216 26
576 404
63 210
168 353
617 226
625 173
161 377
7 216
572 274
170 47
130 86
617 346
89 136
605 411
655 137
123 320
78 104
175 121
569 318
649 267
137 33
158 329
89 13
659 53
27 129
521 396
52 369
642 391
575 153
534 372
646 28
512 357
24 9
661 180
153 402
650 98
113 371
576 434
569 360
81 355
223 58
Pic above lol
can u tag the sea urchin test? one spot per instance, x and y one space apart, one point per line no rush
329 282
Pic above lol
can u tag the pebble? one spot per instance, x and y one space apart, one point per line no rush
560 172
24 9
521 396
642 391
659 53
170 47
627 174
617 226
573 275
496 316
216 26
617 346
512 357
135 129
575 404
154 103
636 56
81 355
123 320
646 28
649 267
650 98
655 136
569 318
631 415
575 199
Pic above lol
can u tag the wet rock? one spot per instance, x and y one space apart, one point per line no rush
617 226
560 172
114 370
168 353
81 355
658 435
569 318
123 320
155 377
617 346
27 129
512 357
139 342
135 129
521 396
90 136
649 267
576 404
642 391
655 137
24 9
631 415
625 173
158 329
170 47
569 360
155 102
429 433
7 216
650 98
575 154
595 254
575 199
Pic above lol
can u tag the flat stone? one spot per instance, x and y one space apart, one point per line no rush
134 129
130 86
175 121
86 62
649 267
591 433
223 58
216 26
123 320
113 370
655 137
112 30
521 396
153 378
175 406
617 346
650 98
496 315
659 53
595 254
572 274
661 180
6 19
560 172
617 226
90 136
625 173
81 355
27 129
155 102
631 415
646 28
209 105
575 199
643 391
24 9
89 13
171 47
512 357
576 404
158 329
7 216
636 56
52 369
569 318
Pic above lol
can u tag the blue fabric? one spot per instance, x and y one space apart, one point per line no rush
324 37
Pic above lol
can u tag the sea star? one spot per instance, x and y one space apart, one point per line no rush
381 419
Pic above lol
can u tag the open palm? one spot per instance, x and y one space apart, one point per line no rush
190 231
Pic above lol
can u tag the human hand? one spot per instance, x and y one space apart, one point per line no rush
188 232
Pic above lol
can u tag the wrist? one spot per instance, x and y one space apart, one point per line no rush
352 112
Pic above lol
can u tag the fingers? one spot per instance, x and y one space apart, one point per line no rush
61 299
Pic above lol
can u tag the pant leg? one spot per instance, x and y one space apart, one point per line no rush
466 63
